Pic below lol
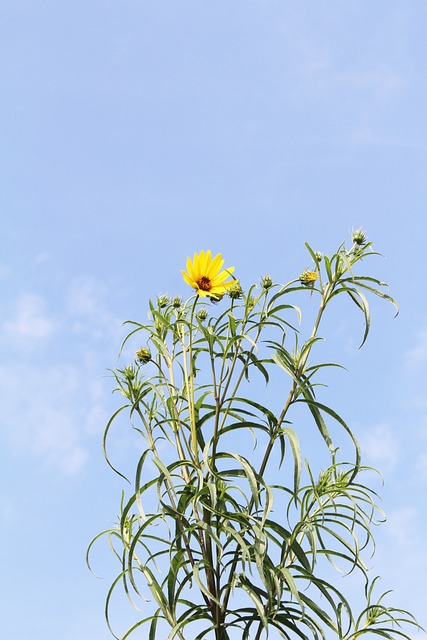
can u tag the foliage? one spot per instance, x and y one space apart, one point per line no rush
227 527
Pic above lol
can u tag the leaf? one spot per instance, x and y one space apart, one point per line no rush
252 592
250 473
316 407
104 440
200 584
296 452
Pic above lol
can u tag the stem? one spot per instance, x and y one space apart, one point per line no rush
189 385
239 380
301 365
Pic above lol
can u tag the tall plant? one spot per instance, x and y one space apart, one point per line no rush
228 529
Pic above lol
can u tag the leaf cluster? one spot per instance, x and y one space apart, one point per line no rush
227 529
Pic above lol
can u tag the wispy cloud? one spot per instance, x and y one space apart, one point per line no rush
41 258
39 414
402 525
380 446
30 323
417 355
51 413
402 562
360 91
53 403
88 311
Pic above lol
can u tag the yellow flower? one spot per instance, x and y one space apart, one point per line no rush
205 276
308 277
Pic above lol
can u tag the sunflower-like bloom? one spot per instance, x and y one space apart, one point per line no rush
205 276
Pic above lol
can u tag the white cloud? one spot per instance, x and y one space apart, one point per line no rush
417 355
55 439
41 258
401 560
85 297
402 525
48 412
53 405
87 310
380 446
30 324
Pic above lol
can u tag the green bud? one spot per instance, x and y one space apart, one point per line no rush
202 314
163 300
318 256
266 282
129 373
359 237
177 302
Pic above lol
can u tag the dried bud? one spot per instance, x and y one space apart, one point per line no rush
266 282
308 277
143 356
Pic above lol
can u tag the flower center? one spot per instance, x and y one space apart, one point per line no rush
204 283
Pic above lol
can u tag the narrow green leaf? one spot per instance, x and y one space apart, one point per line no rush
250 590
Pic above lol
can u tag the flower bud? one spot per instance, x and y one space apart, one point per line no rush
143 355
129 373
235 291
359 237
163 300
318 256
266 282
202 314
308 277
177 302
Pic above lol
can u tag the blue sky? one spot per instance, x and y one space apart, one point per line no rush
135 133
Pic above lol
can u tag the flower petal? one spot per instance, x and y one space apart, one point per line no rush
215 266
205 271
189 280
222 276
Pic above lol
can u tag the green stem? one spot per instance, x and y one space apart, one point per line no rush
239 380
301 365
189 384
